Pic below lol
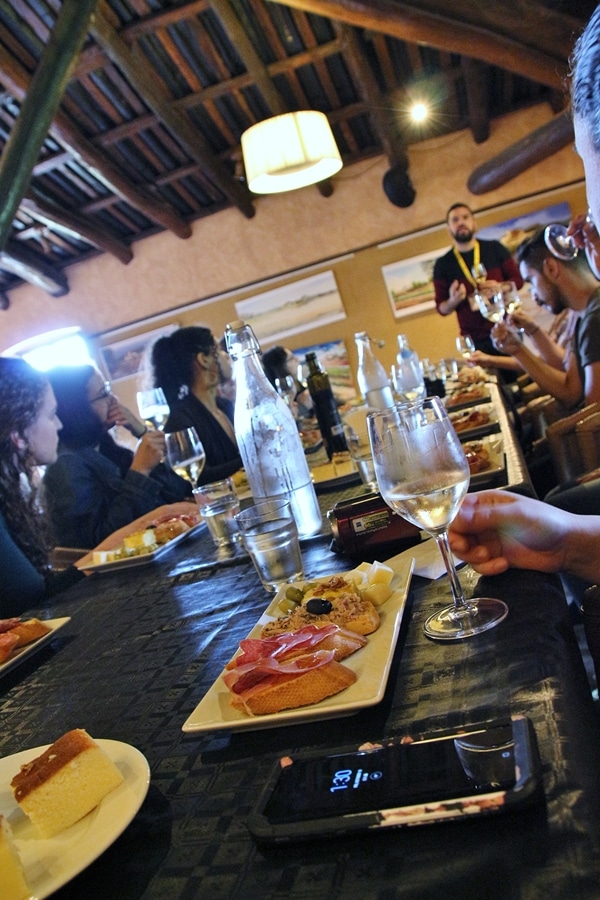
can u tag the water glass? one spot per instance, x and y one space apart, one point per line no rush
219 505
270 536
359 446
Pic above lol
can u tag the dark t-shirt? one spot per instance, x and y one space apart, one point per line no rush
587 335
500 266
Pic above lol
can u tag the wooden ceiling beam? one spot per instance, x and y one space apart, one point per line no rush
537 146
17 81
478 97
412 23
252 61
25 264
55 218
137 70
47 87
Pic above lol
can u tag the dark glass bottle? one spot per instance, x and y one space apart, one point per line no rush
326 411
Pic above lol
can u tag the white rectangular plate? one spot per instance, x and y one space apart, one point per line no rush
143 559
371 664
22 653
50 863
495 447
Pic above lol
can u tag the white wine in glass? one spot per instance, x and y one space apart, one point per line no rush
479 272
465 345
153 408
423 475
491 305
185 454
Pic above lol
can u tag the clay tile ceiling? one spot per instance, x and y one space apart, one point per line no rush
142 133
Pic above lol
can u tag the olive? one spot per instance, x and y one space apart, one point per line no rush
294 594
318 606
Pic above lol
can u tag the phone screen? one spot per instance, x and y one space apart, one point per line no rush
398 775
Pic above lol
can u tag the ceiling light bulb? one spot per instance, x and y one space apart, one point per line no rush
419 112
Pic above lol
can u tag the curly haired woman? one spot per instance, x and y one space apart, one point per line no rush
29 430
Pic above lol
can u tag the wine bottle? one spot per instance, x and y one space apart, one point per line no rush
326 411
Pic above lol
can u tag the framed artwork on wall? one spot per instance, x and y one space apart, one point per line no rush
123 359
283 311
409 284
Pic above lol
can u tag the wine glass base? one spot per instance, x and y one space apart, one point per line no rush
482 613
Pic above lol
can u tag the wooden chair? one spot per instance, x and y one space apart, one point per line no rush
574 443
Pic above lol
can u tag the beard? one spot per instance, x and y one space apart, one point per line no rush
463 236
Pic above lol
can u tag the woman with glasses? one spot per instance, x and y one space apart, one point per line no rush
189 366
97 486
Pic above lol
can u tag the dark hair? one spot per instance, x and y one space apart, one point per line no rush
458 206
173 359
274 363
585 78
81 426
22 392
533 251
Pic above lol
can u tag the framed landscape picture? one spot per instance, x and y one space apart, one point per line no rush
307 303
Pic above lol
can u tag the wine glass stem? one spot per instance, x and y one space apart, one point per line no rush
457 592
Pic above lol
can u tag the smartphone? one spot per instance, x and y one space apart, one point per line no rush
478 770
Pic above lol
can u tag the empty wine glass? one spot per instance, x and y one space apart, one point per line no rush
185 454
153 408
559 243
423 475
465 345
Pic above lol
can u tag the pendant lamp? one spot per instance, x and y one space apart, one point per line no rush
289 151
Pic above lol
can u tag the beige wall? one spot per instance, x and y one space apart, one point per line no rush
298 229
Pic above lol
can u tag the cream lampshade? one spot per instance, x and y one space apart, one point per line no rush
289 151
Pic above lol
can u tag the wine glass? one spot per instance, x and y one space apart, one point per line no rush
491 305
153 408
465 345
559 243
509 296
479 272
423 475
185 454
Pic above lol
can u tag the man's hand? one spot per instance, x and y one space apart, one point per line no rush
458 292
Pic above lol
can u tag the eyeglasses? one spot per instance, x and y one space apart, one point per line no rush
104 394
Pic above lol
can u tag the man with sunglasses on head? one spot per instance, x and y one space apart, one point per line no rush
559 284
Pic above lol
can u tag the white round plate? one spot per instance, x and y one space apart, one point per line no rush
51 862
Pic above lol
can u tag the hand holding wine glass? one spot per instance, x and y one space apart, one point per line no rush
185 454
153 408
465 345
423 475
490 304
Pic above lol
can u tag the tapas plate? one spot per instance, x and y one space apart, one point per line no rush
372 666
49 863
143 559
474 422
494 447
467 395
22 653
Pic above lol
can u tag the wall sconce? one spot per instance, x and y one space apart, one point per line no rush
289 151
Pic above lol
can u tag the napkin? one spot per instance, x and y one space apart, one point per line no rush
427 557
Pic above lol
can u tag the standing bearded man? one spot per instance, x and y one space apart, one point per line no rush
455 283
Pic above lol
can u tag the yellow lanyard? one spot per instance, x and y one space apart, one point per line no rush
463 265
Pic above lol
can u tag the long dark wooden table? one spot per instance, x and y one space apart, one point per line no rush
144 646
